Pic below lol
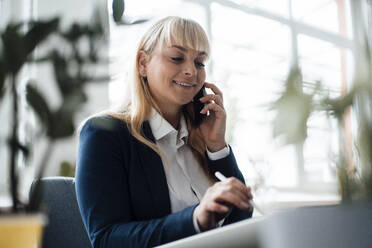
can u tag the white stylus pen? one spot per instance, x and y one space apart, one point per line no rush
222 178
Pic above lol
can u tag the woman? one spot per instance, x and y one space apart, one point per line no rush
145 175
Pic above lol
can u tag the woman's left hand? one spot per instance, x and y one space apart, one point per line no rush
213 126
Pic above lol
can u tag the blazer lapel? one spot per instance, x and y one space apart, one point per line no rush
153 168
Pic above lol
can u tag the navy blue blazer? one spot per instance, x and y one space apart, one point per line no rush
122 190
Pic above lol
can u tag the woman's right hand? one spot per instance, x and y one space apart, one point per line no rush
219 200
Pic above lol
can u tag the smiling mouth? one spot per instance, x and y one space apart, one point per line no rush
184 84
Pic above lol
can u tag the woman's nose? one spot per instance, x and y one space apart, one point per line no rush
189 69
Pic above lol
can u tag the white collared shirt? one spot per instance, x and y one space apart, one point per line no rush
187 182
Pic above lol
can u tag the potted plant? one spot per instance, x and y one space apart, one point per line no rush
72 71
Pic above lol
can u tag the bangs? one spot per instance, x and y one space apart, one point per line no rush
185 33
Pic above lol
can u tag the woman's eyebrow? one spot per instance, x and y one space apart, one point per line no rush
184 50
179 47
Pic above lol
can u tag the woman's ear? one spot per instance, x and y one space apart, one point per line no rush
142 62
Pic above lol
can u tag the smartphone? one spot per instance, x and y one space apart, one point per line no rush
198 106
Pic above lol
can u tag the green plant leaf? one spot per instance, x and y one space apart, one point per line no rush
17 47
63 119
13 48
72 102
66 169
38 60
38 32
75 32
64 80
346 186
338 106
3 72
292 110
17 144
39 104
62 125
118 7
98 79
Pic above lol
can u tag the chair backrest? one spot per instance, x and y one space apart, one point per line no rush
65 227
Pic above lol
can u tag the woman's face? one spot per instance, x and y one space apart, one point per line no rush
175 74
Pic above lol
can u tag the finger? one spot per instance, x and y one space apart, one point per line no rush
212 97
231 186
241 193
231 198
214 88
219 111
240 187
216 207
249 192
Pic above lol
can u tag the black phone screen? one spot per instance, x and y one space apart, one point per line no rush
198 106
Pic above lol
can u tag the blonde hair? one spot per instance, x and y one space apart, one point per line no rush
172 31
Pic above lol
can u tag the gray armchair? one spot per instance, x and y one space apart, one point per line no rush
65 227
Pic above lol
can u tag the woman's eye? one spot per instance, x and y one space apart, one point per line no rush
199 64
177 59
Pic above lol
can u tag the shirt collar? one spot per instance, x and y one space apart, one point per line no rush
183 133
160 127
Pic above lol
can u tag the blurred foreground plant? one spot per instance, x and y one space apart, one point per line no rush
73 69
294 107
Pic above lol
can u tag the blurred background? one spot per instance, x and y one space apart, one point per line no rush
254 43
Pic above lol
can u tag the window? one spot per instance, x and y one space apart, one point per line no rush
253 60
